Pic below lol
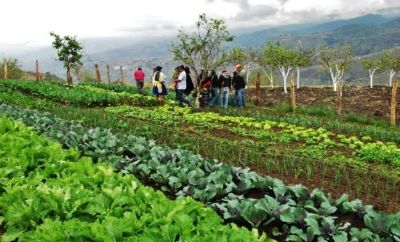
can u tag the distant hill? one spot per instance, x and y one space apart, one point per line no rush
366 34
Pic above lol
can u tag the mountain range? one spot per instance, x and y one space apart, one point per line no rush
365 35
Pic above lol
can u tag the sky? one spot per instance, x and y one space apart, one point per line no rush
29 22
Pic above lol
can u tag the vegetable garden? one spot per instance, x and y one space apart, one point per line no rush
87 166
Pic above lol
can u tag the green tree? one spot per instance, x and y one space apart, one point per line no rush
69 51
203 47
372 64
285 59
391 62
303 59
336 62
13 69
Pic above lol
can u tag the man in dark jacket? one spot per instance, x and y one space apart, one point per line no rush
215 88
239 83
226 83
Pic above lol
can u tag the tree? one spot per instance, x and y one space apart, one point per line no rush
203 47
278 56
336 62
303 59
372 64
69 51
13 69
391 62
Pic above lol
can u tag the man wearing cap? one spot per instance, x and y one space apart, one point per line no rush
181 87
239 82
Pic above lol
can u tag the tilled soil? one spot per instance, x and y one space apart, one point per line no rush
357 99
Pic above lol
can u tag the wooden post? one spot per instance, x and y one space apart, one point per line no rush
108 74
339 93
122 74
393 104
37 71
293 93
258 91
98 79
5 69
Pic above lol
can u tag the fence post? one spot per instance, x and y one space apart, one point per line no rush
5 69
393 104
339 93
98 79
122 74
293 93
258 91
108 74
37 71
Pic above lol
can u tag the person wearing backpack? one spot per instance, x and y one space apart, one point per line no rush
159 88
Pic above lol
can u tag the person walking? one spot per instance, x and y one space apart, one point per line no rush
225 80
215 88
159 88
181 87
239 82
139 75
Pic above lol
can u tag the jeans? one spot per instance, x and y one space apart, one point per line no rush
140 86
214 96
179 97
223 101
240 97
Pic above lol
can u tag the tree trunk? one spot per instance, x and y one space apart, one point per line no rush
5 69
98 78
122 74
258 91
392 74
37 70
339 94
371 77
393 105
298 77
69 77
293 94
108 74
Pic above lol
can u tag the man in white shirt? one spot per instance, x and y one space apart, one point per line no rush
181 87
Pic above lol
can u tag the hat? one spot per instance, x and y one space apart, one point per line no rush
158 68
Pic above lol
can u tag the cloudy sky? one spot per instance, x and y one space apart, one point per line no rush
29 22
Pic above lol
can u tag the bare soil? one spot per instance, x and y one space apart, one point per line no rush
357 99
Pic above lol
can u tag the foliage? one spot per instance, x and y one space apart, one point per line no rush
55 195
13 69
290 210
69 51
283 58
78 95
203 48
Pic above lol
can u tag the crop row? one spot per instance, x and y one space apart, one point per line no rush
239 195
86 96
52 194
363 148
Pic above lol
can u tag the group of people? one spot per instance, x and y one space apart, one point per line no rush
214 90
